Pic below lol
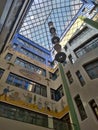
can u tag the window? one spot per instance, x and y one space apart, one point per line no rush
87 47
15 46
8 57
59 124
51 64
52 91
26 84
92 69
66 119
80 107
23 115
65 47
20 40
69 76
43 91
57 94
32 55
1 72
40 89
37 89
30 66
71 59
29 45
80 77
63 123
18 81
54 75
94 107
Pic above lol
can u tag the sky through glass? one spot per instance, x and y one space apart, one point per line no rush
35 24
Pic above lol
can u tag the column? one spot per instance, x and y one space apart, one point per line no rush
69 100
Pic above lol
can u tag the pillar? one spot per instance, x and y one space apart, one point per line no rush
69 100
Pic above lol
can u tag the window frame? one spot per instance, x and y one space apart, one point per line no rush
91 72
23 84
1 72
80 107
94 108
69 77
79 76
8 56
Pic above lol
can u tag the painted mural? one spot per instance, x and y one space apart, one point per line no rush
5 92
31 102
28 97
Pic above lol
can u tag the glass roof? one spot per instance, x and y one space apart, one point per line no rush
35 24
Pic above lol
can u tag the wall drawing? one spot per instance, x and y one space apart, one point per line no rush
40 103
28 97
5 92
14 96
47 107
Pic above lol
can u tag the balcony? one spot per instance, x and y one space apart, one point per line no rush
19 118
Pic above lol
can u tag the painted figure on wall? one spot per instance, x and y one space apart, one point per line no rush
14 96
40 103
47 107
28 97
5 92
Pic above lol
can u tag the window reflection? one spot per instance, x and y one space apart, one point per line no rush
24 115
80 107
89 46
8 56
26 84
80 77
33 47
30 66
92 69
94 107
57 94
69 76
32 55
1 72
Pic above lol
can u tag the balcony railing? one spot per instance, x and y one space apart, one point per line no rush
31 117
87 48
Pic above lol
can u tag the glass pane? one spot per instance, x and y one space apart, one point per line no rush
92 69
1 72
8 57
42 12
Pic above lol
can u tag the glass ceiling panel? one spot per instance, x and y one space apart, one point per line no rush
60 12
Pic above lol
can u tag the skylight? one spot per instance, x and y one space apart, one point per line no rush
60 12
